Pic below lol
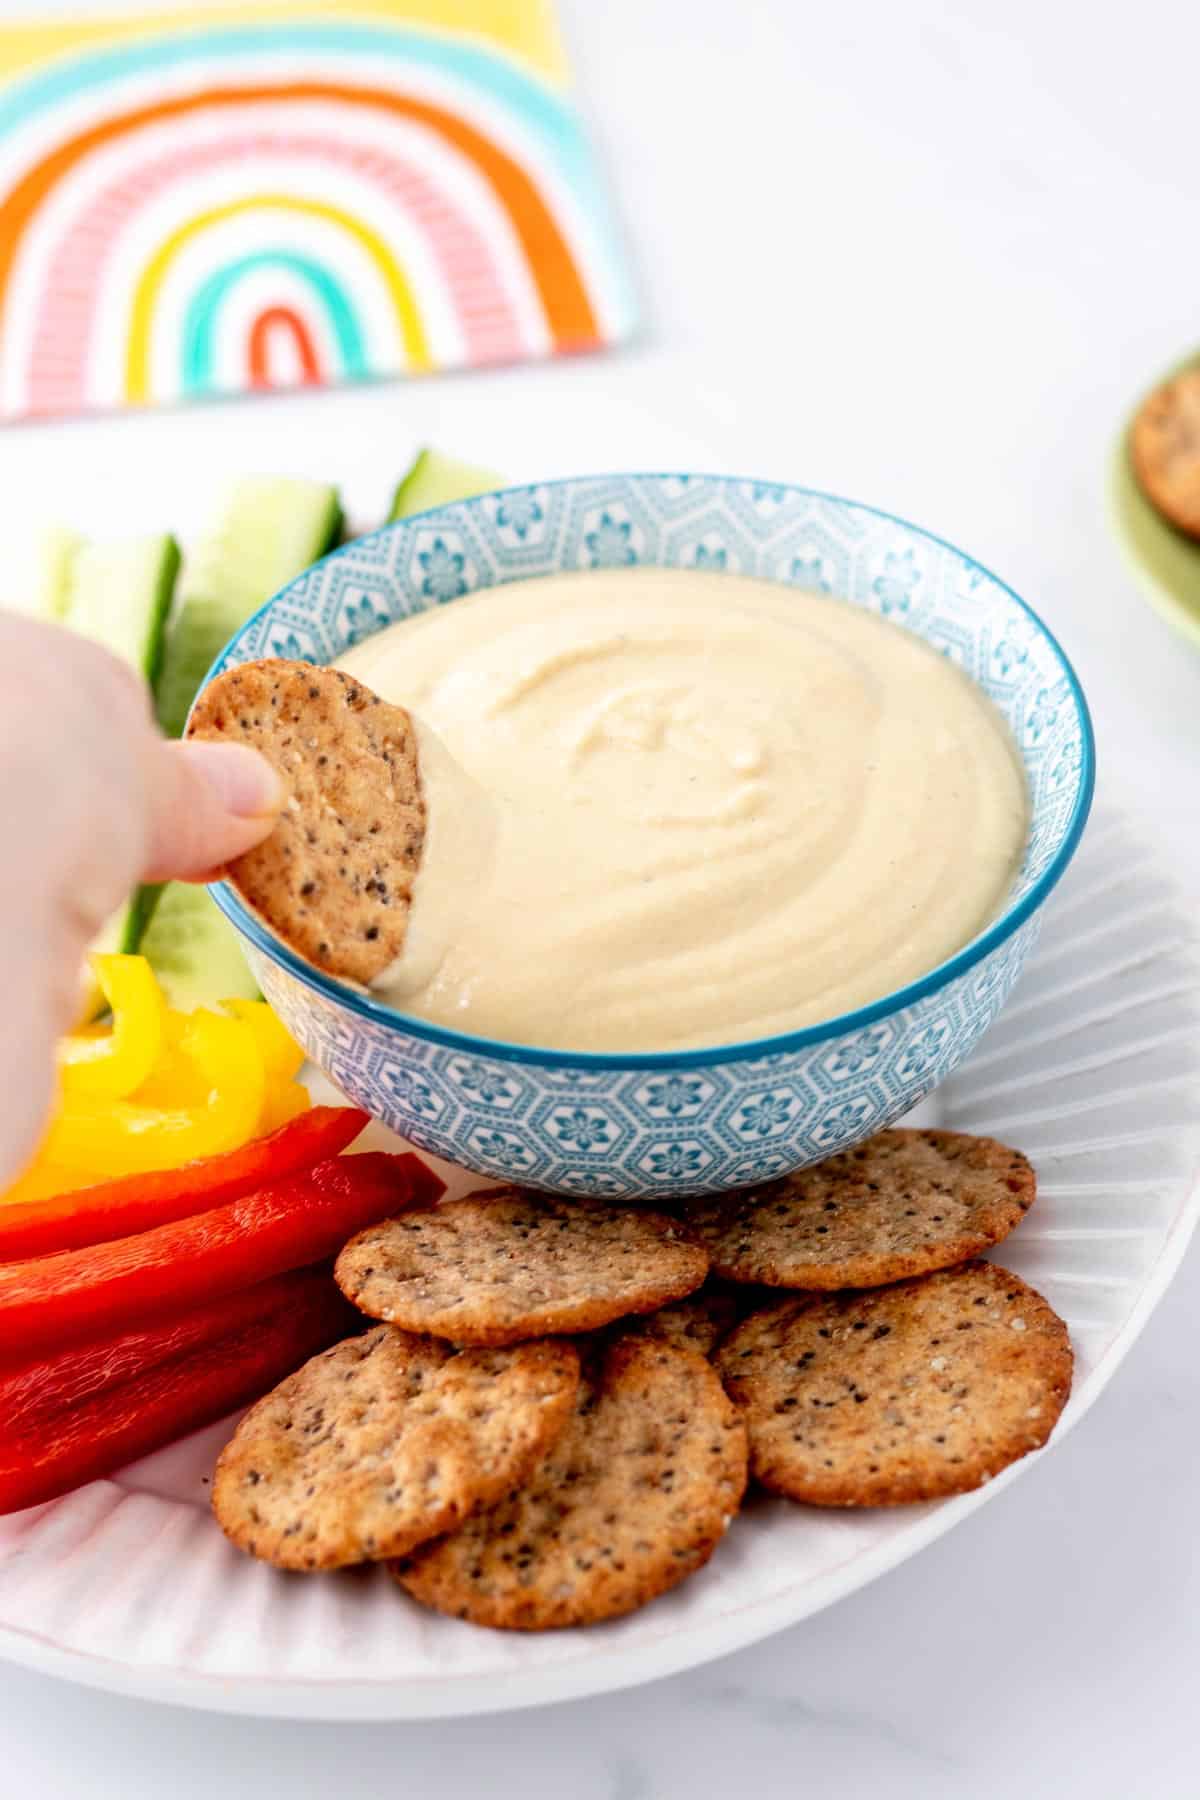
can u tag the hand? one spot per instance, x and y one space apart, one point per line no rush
93 801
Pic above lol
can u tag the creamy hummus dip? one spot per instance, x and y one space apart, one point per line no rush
672 808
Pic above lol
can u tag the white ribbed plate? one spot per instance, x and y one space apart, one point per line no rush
1092 1069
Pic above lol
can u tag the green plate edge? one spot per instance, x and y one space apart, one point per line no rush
1166 563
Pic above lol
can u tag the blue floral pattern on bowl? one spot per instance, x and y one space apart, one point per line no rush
694 1122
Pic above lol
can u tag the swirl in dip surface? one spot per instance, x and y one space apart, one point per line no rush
721 808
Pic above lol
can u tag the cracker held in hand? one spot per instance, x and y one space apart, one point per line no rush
900 1393
335 877
635 1496
385 1441
900 1204
1165 447
499 1267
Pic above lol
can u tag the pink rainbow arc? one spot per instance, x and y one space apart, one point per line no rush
58 362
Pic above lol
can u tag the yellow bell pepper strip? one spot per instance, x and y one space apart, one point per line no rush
175 1080
111 1064
129 1137
283 1101
281 1053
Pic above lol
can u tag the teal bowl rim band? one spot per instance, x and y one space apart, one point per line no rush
746 1050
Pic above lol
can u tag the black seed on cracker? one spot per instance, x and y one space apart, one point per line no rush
634 1497
909 1409
499 1267
900 1204
334 747
385 1441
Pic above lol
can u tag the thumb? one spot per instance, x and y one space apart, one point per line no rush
208 804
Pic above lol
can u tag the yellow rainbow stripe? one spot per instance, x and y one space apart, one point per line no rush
138 388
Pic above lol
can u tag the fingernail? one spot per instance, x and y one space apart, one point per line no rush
244 782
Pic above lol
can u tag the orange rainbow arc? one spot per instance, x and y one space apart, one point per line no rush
559 284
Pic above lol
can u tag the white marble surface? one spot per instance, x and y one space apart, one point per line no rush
924 256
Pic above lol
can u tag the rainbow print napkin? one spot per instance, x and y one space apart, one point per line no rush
266 195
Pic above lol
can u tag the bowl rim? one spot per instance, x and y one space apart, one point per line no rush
742 1050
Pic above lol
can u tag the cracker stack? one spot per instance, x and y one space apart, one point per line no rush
533 1435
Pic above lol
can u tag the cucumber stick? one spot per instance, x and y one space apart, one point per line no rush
193 949
57 551
269 531
118 594
437 480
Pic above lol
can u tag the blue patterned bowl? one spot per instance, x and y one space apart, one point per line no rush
690 1122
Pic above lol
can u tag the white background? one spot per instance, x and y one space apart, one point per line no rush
925 256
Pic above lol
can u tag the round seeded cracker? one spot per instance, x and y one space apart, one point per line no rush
385 1441
901 1393
499 1267
900 1204
634 1497
1164 444
335 877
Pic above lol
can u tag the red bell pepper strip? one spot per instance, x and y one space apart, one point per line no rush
107 1430
117 1209
36 1389
52 1301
